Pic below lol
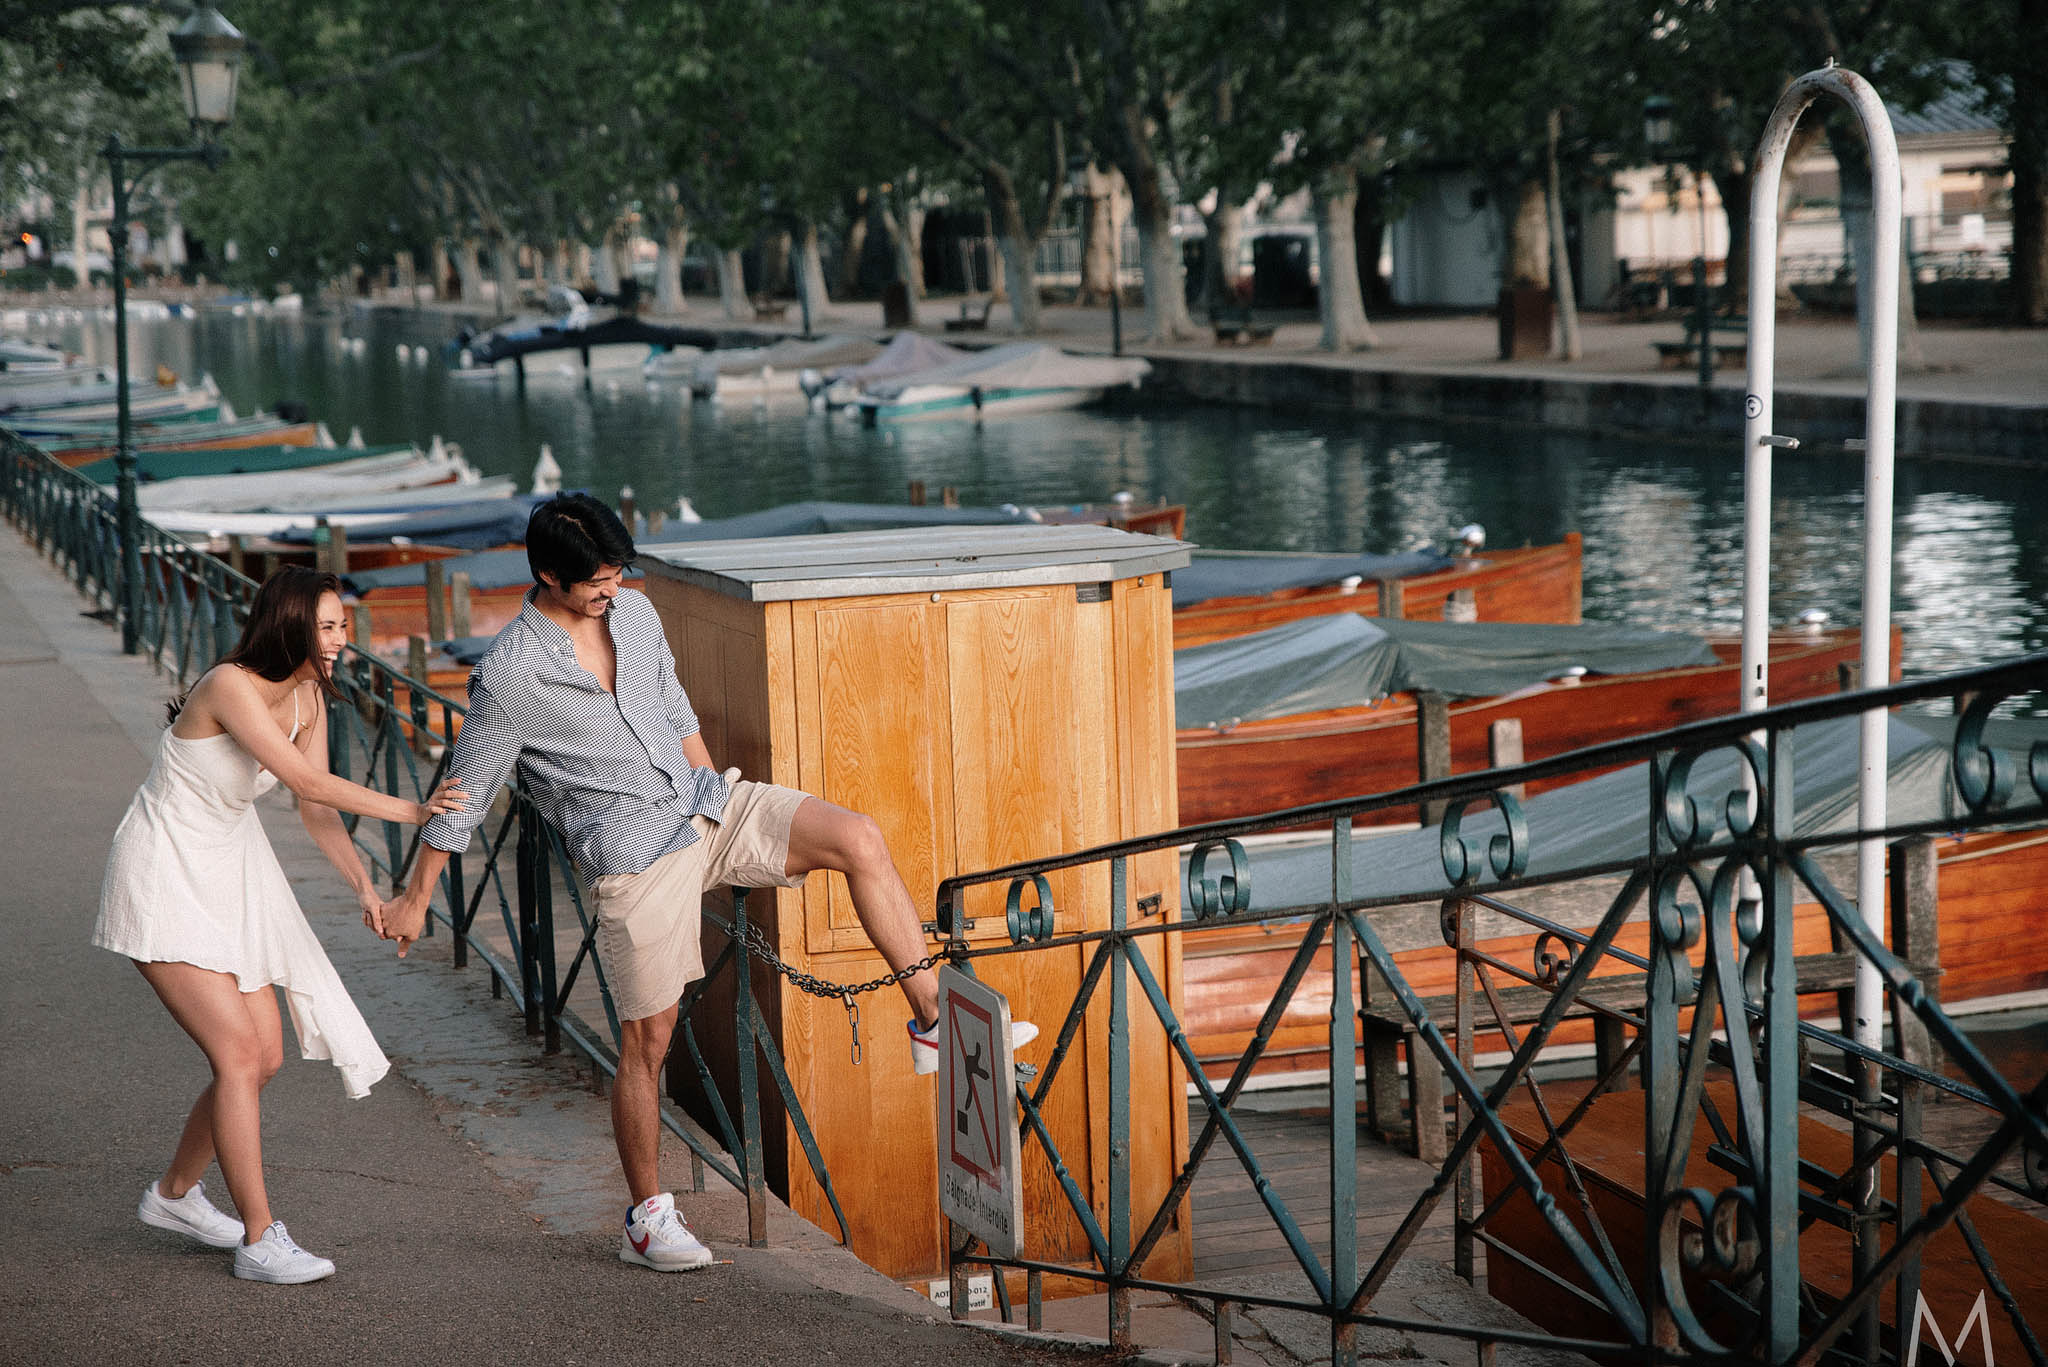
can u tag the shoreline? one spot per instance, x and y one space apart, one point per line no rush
1407 382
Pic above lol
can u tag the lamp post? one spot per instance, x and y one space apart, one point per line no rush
1659 133
208 50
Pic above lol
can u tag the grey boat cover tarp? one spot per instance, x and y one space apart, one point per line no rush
467 526
499 569
1606 819
1345 660
1236 576
1022 365
907 354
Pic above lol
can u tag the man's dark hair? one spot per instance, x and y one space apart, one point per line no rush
571 536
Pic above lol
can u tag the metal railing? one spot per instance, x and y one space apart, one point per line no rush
1717 994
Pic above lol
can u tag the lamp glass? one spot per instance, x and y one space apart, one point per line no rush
209 53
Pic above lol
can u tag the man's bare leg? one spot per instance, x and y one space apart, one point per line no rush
636 1101
825 836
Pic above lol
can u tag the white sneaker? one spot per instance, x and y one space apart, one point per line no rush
657 1237
191 1215
924 1044
275 1258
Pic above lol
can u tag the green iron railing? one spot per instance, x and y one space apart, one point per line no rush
1719 1276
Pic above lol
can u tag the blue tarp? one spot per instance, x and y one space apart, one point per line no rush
1233 575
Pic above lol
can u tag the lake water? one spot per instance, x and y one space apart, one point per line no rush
1661 520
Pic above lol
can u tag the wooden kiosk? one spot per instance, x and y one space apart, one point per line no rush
987 695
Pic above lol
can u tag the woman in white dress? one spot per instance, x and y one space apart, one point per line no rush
194 894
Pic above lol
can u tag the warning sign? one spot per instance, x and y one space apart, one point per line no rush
978 1183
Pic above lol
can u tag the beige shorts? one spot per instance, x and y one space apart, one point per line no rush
647 922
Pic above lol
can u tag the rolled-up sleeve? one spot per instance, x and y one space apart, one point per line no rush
485 750
674 700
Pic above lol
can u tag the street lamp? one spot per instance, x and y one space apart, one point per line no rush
208 50
1661 135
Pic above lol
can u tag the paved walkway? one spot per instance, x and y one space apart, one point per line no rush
1816 353
472 1201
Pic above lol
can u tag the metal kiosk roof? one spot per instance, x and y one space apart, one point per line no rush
912 560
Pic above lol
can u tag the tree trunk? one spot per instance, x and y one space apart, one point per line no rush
1369 226
1015 249
559 272
1528 265
906 245
668 264
1102 228
732 285
1338 297
774 277
2029 157
505 268
812 263
1225 224
469 270
80 203
1560 259
998 287
604 264
856 244
439 271
1735 187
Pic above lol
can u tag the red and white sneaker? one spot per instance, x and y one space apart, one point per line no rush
924 1044
657 1237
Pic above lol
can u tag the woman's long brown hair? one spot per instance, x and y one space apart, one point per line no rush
283 630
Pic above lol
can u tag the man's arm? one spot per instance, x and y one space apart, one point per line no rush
486 749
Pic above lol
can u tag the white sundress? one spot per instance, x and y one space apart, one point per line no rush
192 879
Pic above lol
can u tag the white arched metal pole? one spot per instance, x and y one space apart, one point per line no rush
1759 442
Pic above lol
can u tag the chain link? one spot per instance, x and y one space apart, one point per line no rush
758 946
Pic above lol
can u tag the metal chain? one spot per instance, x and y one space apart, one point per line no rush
758 946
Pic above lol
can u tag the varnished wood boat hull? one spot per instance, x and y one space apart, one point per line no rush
1265 766
1534 584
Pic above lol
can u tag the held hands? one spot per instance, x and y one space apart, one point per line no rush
372 907
401 919
446 797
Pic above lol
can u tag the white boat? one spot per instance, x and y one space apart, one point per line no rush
1023 377
908 353
201 524
308 487
775 371
16 357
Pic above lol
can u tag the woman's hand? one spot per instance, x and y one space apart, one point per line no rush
445 798
372 907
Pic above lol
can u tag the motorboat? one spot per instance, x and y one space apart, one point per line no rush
1022 377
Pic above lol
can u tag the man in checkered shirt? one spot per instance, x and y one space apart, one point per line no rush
579 694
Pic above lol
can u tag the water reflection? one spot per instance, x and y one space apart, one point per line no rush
1662 522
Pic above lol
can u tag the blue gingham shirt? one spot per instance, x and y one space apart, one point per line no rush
606 768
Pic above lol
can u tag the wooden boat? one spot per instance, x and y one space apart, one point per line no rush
1263 766
1985 880
1530 584
246 433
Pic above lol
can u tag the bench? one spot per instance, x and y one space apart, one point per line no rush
1728 336
768 310
1234 327
969 321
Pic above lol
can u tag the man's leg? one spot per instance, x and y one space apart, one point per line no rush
825 836
636 1100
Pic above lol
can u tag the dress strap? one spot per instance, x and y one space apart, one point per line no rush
295 713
